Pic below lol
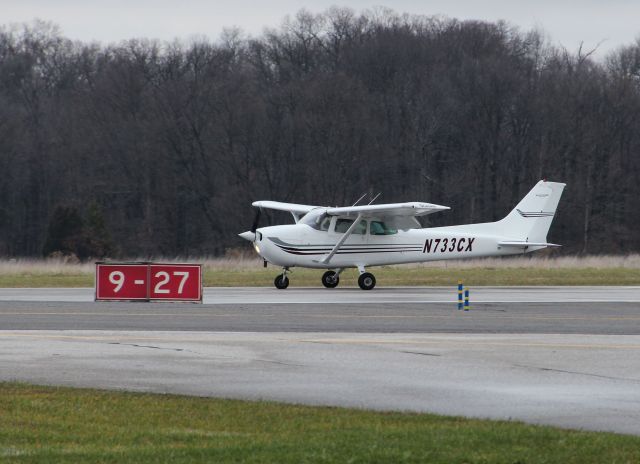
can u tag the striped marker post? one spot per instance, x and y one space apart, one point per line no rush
466 300
459 295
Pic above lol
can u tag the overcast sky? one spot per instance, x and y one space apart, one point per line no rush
566 22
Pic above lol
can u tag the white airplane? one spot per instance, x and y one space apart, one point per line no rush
373 235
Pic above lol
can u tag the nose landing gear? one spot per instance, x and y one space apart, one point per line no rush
282 281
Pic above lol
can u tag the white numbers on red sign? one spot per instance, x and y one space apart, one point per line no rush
117 279
148 282
159 285
165 280
185 276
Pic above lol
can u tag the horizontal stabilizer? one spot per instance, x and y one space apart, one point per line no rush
514 243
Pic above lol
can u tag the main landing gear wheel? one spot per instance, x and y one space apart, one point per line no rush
281 282
366 281
330 279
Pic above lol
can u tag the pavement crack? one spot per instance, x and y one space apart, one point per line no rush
281 363
420 353
587 374
135 345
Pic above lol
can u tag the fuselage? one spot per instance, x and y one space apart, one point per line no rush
304 246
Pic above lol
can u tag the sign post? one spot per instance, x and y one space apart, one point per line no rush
148 282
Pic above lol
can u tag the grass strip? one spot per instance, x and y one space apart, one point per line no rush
386 276
55 425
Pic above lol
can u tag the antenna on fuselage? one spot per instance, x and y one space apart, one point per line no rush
358 200
374 198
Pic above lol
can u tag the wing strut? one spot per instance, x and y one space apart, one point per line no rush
342 240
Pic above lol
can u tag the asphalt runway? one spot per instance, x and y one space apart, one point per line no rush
508 318
342 295
603 311
562 356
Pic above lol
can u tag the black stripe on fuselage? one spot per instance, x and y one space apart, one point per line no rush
292 248
305 253
280 242
321 249
347 251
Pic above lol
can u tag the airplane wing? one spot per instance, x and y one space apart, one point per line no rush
290 207
398 215
384 210
388 210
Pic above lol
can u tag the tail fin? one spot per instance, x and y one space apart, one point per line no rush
531 218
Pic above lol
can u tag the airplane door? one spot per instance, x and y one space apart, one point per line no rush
358 236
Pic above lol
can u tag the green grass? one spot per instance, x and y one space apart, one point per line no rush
386 276
51 425
391 276
45 279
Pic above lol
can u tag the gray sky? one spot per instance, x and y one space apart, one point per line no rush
566 22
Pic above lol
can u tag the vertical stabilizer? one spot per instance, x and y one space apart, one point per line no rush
531 218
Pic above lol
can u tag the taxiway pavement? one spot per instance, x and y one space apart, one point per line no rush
566 356
577 381
342 295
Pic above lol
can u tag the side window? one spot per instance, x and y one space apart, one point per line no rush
376 228
380 228
342 225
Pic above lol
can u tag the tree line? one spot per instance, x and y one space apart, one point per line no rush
148 148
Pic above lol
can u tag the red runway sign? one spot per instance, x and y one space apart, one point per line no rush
148 282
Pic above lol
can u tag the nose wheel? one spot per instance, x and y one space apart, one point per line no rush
281 281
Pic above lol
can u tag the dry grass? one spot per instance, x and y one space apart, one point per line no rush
244 269
44 266
245 261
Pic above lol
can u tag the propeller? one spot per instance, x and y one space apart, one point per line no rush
250 235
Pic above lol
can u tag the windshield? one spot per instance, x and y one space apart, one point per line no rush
316 219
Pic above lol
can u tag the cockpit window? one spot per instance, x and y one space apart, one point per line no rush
380 228
316 219
325 223
343 224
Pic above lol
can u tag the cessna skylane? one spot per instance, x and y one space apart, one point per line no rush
337 238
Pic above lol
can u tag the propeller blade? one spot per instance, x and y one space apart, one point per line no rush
256 220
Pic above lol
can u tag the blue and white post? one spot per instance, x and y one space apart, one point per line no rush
466 299
459 295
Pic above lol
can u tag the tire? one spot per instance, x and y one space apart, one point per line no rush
366 281
330 279
281 282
